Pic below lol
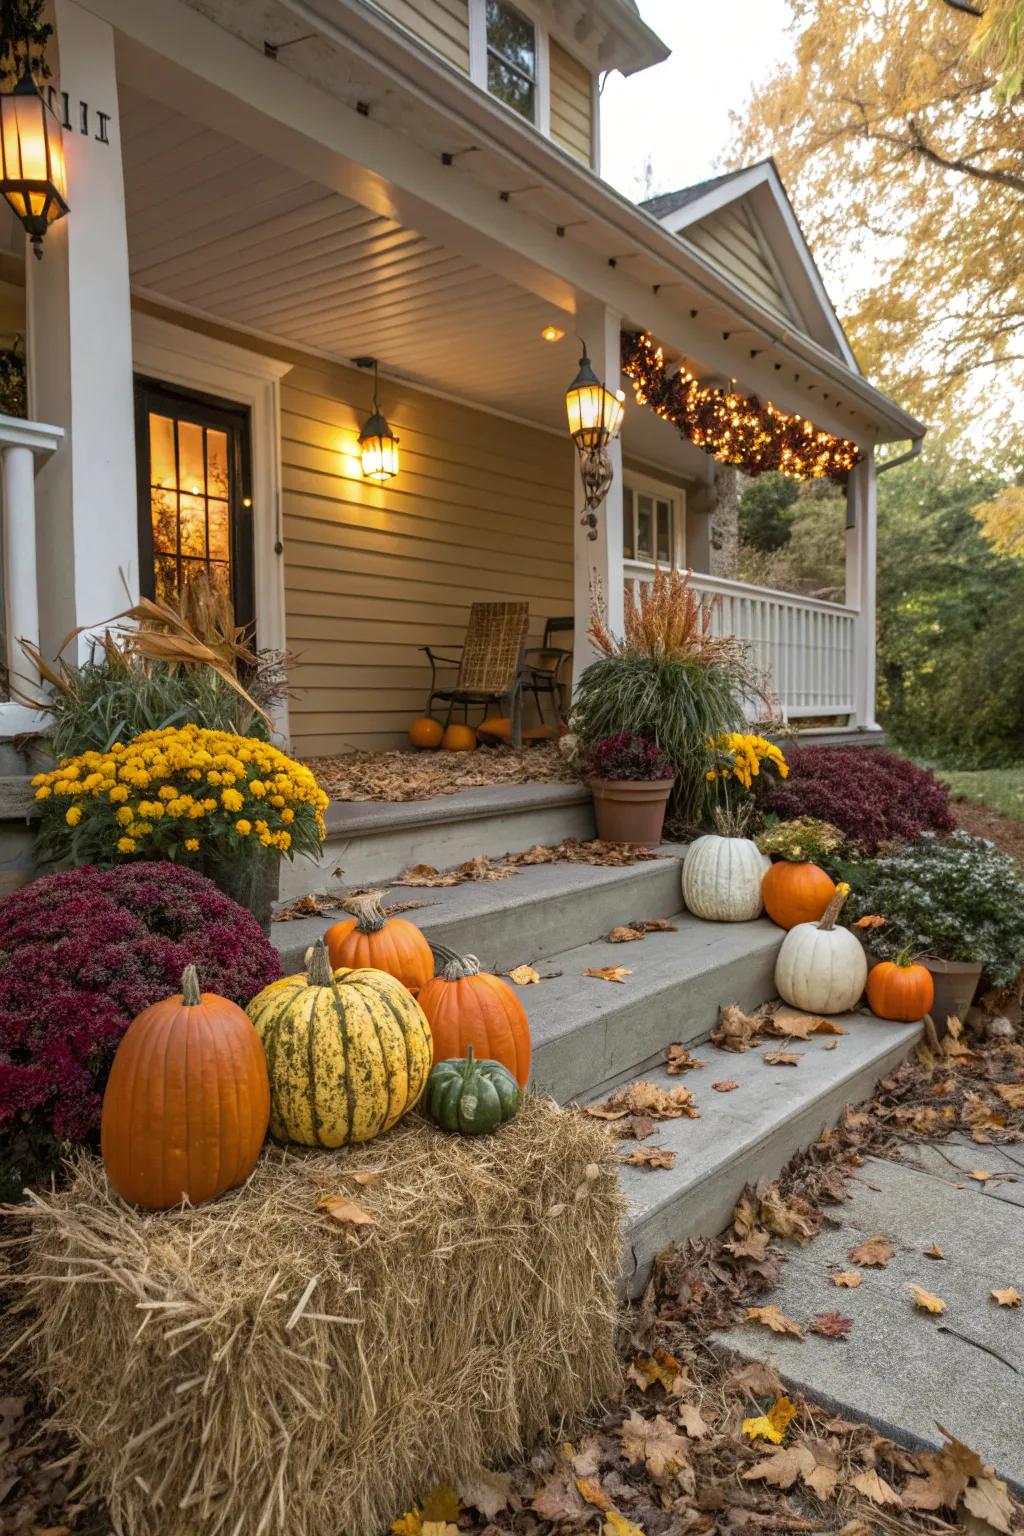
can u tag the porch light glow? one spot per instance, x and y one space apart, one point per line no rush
595 414
33 176
378 445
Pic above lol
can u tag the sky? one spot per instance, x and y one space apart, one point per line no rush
678 113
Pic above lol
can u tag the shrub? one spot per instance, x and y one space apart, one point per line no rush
631 758
872 796
81 953
800 840
958 899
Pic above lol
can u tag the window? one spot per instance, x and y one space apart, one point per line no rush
650 525
512 58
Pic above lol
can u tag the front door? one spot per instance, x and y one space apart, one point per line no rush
195 499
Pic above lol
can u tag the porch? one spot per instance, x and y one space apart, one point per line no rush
254 238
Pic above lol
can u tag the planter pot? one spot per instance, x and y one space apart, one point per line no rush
631 811
956 982
253 883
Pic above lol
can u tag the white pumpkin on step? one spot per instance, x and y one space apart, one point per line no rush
722 874
822 968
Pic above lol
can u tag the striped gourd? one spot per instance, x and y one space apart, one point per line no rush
348 1053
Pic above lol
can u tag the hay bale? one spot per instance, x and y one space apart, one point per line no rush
257 1368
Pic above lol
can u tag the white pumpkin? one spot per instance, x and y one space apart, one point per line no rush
822 968
722 878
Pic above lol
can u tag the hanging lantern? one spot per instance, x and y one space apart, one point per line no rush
378 445
33 177
595 414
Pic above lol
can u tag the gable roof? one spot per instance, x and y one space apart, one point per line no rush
744 222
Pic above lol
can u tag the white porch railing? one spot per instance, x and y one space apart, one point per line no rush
805 647
23 445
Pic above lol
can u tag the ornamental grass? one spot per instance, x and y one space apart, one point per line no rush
261 1367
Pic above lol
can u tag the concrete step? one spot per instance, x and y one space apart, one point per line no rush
541 909
749 1133
371 841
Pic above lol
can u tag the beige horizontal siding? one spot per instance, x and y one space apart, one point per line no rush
729 240
481 510
443 24
572 105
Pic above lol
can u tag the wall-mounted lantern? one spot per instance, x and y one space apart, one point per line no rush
378 445
33 177
595 418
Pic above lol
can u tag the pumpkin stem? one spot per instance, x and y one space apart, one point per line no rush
367 909
318 966
191 995
452 967
835 906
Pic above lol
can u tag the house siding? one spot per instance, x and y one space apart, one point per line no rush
442 24
481 510
572 104
729 239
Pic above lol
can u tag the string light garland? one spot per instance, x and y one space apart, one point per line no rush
734 428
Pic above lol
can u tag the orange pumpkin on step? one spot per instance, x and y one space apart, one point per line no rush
901 991
466 1006
187 1102
459 738
796 892
371 941
426 734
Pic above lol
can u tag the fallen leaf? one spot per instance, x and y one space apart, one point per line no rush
650 1157
832 1045
623 936
441 1504
773 1318
590 1488
343 1210
642 1098
426 874
948 1473
559 1499
409 1524
590 1457
1008 1298
618 1525
639 1127
1011 1094
661 1367
925 1300
875 1488
654 925
678 1059
754 1246
608 972
796 1025
487 1491
773 1424
874 1253
989 1499
727 1085
735 1030
934 1252
365 1176
850 1278
782 1058
661 1448
872 920
830 1325
782 1468
757 1378
692 1420
787 1215
523 975
825 1475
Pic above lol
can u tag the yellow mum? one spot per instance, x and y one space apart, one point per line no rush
126 845
232 800
243 827
73 815
192 844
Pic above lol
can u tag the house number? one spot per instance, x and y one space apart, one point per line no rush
88 119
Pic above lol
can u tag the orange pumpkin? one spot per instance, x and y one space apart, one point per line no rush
796 892
494 728
371 941
426 734
187 1102
904 993
468 1007
459 738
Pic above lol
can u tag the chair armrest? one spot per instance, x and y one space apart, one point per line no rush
435 657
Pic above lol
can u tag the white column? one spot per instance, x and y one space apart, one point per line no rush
598 562
861 555
21 600
80 353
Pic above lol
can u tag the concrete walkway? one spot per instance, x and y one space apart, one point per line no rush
900 1368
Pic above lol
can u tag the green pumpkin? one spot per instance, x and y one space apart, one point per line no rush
470 1096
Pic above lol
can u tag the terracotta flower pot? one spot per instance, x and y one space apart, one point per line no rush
631 810
956 982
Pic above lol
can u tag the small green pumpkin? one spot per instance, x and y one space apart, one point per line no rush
473 1097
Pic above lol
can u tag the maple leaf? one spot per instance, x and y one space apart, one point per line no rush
934 1252
645 1099
793 1024
678 1059
618 1525
654 925
727 1085
486 1491
872 920
623 935
364 1176
989 1499
736 1030
782 1468
773 1424
925 1300
559 1499
754 1246
874 1253
875 1488
825 1475
662 1449
1009 1298
782 1058
693 1421
661 1367
523 975
787 1216
948 1473
757 1378
590 1489
345 1211
831 1325
1011 1094
650 1157
850 1278
608 972
773 1318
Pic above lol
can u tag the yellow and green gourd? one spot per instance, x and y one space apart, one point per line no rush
348 1052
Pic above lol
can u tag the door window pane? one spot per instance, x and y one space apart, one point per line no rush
189 501
191 460
644 528
511 58
663 550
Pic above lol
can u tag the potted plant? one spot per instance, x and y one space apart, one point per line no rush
956 904
631 779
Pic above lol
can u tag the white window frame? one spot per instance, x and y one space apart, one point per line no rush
634 485
478 57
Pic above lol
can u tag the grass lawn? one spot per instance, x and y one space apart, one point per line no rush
1001 789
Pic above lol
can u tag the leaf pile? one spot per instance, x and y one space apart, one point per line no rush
569 851
395 776
738 1031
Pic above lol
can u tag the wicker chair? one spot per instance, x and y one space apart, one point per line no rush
546 666
490 664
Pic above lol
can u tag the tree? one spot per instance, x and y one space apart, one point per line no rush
999 37
907 166
765 511
1002 520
